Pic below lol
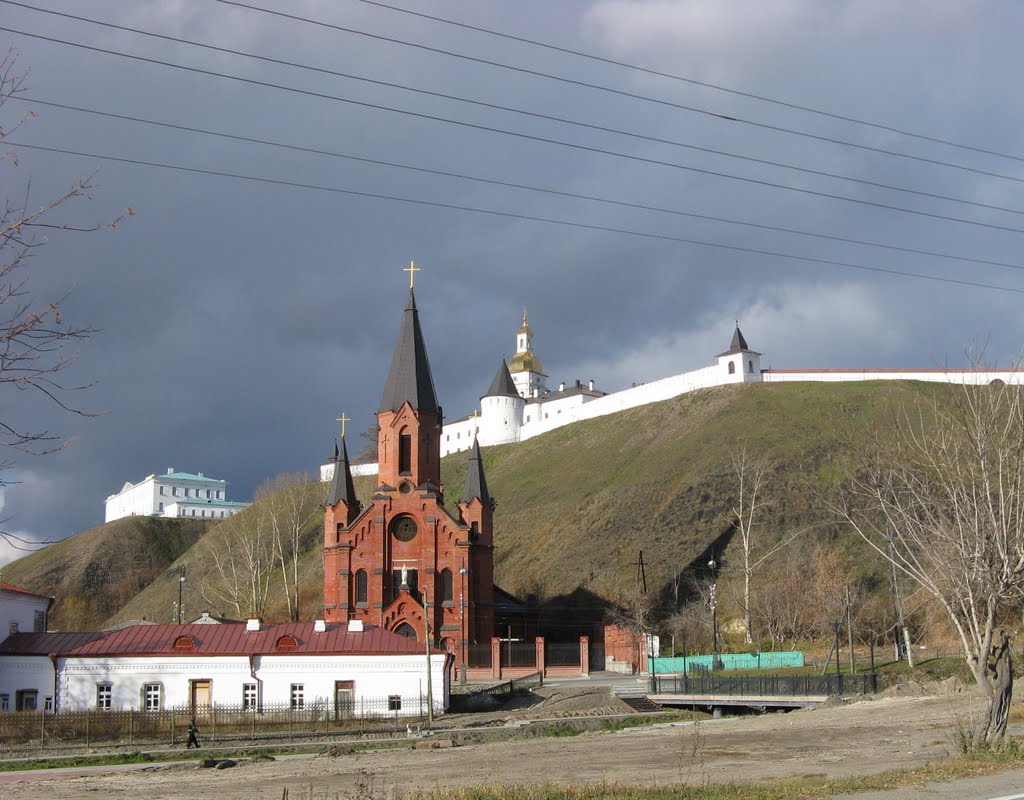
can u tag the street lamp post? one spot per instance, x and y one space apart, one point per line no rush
714 615
462 620
181 590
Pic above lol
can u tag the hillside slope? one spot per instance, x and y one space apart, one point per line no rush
95 573
576 506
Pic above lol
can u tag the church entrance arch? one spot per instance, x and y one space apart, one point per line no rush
406 630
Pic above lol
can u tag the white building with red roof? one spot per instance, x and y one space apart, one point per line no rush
333 667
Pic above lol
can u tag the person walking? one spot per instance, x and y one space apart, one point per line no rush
193 734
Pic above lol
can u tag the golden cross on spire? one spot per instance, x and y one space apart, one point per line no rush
343 419
475 413
412 269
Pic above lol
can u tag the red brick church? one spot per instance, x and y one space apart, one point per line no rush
409 559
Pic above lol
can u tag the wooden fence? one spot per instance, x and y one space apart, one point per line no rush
217 724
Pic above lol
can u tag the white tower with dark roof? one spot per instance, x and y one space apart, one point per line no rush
501 409
739 364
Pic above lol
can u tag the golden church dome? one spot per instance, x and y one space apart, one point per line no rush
524 362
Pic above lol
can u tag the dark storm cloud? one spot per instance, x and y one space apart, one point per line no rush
239 318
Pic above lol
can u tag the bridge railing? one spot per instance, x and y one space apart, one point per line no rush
766 685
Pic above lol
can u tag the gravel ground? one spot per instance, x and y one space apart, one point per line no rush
901 729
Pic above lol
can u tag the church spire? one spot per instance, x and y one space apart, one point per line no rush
342 489
476 482
409 379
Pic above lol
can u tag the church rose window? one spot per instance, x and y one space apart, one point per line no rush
404 529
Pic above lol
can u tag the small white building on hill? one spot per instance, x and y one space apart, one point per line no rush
173 494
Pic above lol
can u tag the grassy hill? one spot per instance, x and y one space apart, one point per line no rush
94 574
576 505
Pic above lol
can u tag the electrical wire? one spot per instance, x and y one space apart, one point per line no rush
510 184
515 134
524 217
647 98
524 112
692 81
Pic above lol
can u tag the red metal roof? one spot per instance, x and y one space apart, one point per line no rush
43 644
10 587
216 640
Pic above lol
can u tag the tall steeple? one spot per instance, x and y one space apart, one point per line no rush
409 418
476 482
527 373
409 379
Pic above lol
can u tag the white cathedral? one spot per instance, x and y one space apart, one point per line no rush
519 405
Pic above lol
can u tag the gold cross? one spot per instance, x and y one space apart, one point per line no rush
475 413
343 419
412 269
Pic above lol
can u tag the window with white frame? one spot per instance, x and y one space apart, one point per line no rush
151 696
38 621
394 702
298 696
47 704
249 696
5 702
163 490
104 695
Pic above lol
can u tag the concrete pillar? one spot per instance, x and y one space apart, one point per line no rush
541 665
495 657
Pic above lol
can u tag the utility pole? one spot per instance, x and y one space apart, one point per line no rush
849 630
426 638
464 644
900 622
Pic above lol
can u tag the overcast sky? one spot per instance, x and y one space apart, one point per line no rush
239 318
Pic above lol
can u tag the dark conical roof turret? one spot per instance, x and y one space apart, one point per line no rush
476 482
738 344
342 489
409 379
502 385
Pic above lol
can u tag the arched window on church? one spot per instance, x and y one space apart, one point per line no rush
404 453
361 588
732 368
750 366
446 588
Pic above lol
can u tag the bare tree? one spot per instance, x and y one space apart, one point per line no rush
241 553
290 502
37 344
750 472
941 496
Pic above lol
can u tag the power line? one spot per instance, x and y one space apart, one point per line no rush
518 135
658 101
691 81
511 184
512 215
523 112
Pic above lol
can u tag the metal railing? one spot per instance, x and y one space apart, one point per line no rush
557 654
767 685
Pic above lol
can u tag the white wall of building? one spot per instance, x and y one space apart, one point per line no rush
25 673
22 612
374 678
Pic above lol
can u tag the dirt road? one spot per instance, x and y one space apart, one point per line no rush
858 738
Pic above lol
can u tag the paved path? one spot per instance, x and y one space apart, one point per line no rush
1004 786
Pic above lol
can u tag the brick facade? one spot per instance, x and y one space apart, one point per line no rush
445 551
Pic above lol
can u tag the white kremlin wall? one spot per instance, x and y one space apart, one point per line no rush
512 419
